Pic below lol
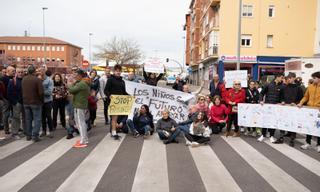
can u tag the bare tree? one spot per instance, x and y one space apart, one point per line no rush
121 51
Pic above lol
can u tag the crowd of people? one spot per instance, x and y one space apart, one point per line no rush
31 100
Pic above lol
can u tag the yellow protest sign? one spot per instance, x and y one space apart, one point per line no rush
120 104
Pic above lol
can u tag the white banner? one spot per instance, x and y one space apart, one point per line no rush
159 99
231 76
288 118
154 65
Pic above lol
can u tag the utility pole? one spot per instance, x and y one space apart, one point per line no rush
44 36
239 35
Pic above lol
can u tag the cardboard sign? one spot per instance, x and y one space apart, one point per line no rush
120 105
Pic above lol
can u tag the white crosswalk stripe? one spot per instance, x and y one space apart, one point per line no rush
275 176
89 172
152 174
18 177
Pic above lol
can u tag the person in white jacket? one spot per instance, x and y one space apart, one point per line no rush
199 132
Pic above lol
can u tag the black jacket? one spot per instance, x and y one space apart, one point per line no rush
178 85
291 93
252 96
115 86
215 90
151 81
95 84
271 93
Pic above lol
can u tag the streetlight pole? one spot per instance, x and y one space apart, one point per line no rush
44 36
239 35
181 68
90 34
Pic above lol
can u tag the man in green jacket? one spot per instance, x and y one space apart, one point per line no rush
80 91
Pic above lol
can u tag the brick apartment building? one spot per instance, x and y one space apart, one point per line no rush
21 51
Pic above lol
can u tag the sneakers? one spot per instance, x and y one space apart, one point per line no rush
261 138
70 136
16 137
291 143
116 137
43 134
188 143
279 141
136 134
147 134
227 134
236 134
80 145
175 141
195 144
272 139
306 146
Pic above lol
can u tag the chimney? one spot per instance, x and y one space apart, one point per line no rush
26 33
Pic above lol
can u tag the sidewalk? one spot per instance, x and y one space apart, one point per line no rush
199 90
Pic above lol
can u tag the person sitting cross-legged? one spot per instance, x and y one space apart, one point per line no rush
142 123
167 128
199 133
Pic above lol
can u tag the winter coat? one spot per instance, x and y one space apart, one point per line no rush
291 93
312 96
237 97
271 93
252 96
48 89
14 91
218 113
215 90
115 86
32 90
151 81
141 121
80 91
166 124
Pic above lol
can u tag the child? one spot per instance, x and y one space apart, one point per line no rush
92 101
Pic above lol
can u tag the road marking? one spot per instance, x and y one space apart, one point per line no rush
88 174
274 175
13 147
304 160
152 170
213 173
20 176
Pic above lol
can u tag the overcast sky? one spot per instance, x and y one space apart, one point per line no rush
155 24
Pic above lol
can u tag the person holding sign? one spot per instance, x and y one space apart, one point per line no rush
115 86
167 129
151 79
233 97
199 132
312 98
142 123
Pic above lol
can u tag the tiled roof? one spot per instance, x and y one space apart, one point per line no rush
33 40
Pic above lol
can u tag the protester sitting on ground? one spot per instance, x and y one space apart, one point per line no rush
184 126
233 97
312 98
202 105
142 123
218 115
80 90
121 125
178 84
151 79
167 129
199 132
186 89
252 97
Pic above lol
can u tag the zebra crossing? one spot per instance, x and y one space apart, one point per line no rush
147 165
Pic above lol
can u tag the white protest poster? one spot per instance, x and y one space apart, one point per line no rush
154 65
231 76
288 118
159 99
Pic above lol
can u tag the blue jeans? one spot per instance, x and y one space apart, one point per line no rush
71 123
171 137
33 113
184 128
142 130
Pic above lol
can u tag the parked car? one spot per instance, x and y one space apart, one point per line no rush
171 79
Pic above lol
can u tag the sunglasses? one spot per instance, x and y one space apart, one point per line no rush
237 84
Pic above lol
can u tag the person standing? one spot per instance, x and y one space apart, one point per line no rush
215 86
59 100
252 97
151 79
80 91
47 106
95 83
32 95
115 86
14 93
6 107
92 102
103 82
178 84
291 94
132 77
312 99
271 94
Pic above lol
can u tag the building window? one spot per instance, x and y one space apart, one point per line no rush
271 11
38 59
18 47
23 48
28 48
13 47
58 48
246 40
270 41
247 11
18 59
42 48
62 48
9 47
53 48
33 48
38 48
48 48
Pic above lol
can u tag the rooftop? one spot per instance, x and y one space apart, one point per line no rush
33 40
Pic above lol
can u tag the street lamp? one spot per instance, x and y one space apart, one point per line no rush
239 35
44 36
90 34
